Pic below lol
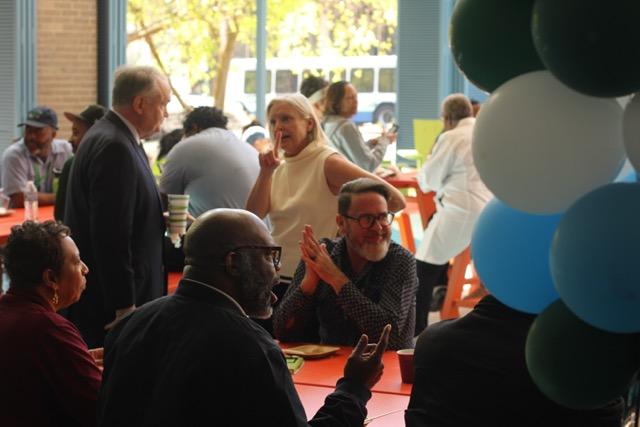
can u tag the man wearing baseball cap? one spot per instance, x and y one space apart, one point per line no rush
80 124
36 157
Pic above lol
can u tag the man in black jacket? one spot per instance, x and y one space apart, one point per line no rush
472 371
195 357
113 206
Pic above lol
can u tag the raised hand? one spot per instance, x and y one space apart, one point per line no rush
270 160
365 363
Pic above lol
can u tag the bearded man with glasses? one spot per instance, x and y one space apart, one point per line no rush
353 285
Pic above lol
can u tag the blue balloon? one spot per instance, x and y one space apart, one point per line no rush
594 258
510 252
629 177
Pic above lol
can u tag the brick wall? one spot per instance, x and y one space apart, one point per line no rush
67 57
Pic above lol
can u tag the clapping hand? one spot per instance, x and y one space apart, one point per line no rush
317 258
365 363
310 281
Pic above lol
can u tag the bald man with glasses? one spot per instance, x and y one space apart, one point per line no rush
353 285
195 358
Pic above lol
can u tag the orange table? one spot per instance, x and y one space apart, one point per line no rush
312 398
173 280
426 205
17 217
327 371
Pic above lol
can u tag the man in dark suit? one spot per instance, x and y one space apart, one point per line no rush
114 208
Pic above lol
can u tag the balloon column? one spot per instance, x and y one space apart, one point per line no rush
560 239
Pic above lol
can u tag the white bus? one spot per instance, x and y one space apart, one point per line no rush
372 76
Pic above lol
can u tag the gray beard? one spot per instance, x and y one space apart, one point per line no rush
372 252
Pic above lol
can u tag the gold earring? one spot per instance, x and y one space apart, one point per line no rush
55 298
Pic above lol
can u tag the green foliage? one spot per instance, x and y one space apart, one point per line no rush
190 36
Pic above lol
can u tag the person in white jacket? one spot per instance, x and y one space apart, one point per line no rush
460 197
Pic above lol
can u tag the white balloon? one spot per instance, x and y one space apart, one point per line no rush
631 126
539 145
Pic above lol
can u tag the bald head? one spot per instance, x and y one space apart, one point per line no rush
217 231
232 250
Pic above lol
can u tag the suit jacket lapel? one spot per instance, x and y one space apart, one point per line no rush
137 148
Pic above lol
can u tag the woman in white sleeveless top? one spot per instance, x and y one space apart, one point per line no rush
301 188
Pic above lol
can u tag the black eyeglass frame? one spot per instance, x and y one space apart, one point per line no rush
276 252
384 219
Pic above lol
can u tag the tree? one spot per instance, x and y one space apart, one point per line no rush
198 38
338 27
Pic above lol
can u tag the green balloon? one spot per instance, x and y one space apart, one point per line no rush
491 40
577 365
590 45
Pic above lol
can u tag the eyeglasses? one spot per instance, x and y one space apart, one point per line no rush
274 251
367 220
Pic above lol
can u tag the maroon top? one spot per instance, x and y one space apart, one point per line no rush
47 376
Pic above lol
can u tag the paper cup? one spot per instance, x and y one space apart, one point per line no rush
178 209
405 358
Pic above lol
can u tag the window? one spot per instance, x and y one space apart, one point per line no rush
250 82
286 81
337 74
386 80
317 73
362 79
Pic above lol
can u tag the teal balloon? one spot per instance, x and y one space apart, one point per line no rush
577 365
594 257
491 40
511 255
589 45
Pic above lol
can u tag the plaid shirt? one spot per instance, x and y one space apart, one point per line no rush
383 293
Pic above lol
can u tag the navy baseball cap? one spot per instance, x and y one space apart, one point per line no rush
41 116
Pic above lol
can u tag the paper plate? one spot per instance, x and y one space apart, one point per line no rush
311 351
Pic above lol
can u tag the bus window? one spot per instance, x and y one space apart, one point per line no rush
386 80
362 79
250 82
316 73
286 81
337 75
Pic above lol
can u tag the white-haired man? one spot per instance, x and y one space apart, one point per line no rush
114 208
460 197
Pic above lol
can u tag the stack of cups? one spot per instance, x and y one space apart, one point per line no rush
178 208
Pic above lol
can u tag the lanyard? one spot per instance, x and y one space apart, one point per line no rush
37 180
